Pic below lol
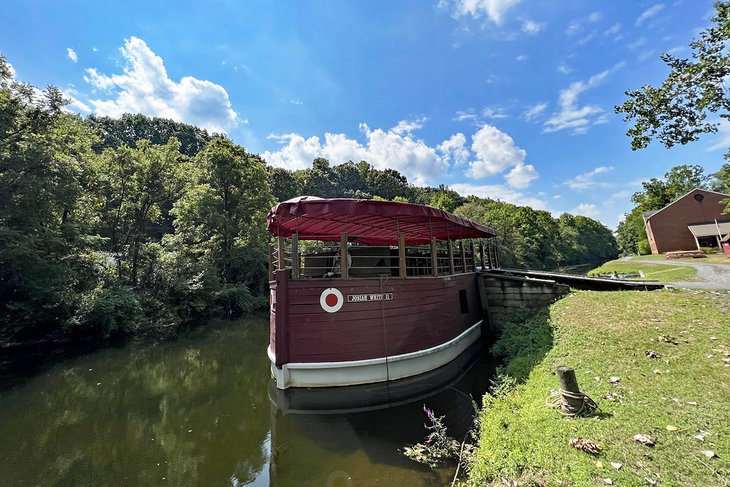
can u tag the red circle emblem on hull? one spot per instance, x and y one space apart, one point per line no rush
331 300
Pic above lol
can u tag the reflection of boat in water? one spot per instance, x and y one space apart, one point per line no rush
367 292
381 395
313 445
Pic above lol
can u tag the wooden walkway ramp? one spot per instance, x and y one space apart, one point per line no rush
581 282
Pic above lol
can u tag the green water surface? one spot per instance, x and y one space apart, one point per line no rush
196 412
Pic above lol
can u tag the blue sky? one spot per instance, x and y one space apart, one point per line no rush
509 99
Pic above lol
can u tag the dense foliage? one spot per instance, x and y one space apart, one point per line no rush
533 239
114 227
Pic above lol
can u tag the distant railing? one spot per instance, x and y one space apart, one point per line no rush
318 260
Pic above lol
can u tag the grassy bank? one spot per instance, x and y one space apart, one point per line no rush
657 272
718 258
605 335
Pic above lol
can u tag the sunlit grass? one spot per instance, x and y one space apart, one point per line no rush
718 258
658 272
607 334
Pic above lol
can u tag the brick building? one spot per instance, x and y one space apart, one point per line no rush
695 220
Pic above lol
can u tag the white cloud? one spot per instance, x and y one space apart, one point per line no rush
144 87
676 50
534 111
455 149
578 25
572 116
495 152
614 29
499 192
71 54
588 180
586 39
595 16
74 103
298 153
464 115
296 102
383 149
494 9
722 139
521 58
637 43
408 126
530 27
644 55
565 69
586 209
494 112
649 13
573 28
521 176
11 69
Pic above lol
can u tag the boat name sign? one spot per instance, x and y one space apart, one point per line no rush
361 298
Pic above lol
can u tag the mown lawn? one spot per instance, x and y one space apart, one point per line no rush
709 259
657 272
672 398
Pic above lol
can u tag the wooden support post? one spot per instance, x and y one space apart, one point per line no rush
481 253
402 255
271 263
473 256
450 244
463 255
434 257
281 261
344 268
295 256
568 383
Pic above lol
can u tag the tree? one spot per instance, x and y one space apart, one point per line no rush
44 166
138 187
284 184
676 111
220 221
631 231
445 199
677 182
132 128
720 181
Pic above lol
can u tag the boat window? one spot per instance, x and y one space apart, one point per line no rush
463 301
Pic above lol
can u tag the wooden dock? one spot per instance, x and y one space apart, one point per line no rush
582 282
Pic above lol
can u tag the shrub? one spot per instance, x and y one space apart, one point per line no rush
644 247
107 312
526 336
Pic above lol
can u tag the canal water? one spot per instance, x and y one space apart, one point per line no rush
199 411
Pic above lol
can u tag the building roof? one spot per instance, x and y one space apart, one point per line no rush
649 217
369 221
710 229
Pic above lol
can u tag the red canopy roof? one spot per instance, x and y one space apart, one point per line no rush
369 221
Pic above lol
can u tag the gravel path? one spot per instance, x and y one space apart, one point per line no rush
714 276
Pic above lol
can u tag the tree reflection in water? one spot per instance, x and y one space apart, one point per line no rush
196 412
189 412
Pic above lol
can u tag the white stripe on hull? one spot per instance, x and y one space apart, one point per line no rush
332 374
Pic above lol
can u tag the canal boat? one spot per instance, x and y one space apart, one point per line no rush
367 291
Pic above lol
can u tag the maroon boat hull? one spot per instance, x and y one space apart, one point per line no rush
378 317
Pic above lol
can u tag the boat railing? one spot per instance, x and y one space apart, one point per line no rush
323 260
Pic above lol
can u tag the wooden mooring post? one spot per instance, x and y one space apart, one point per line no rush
571 400
569 383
